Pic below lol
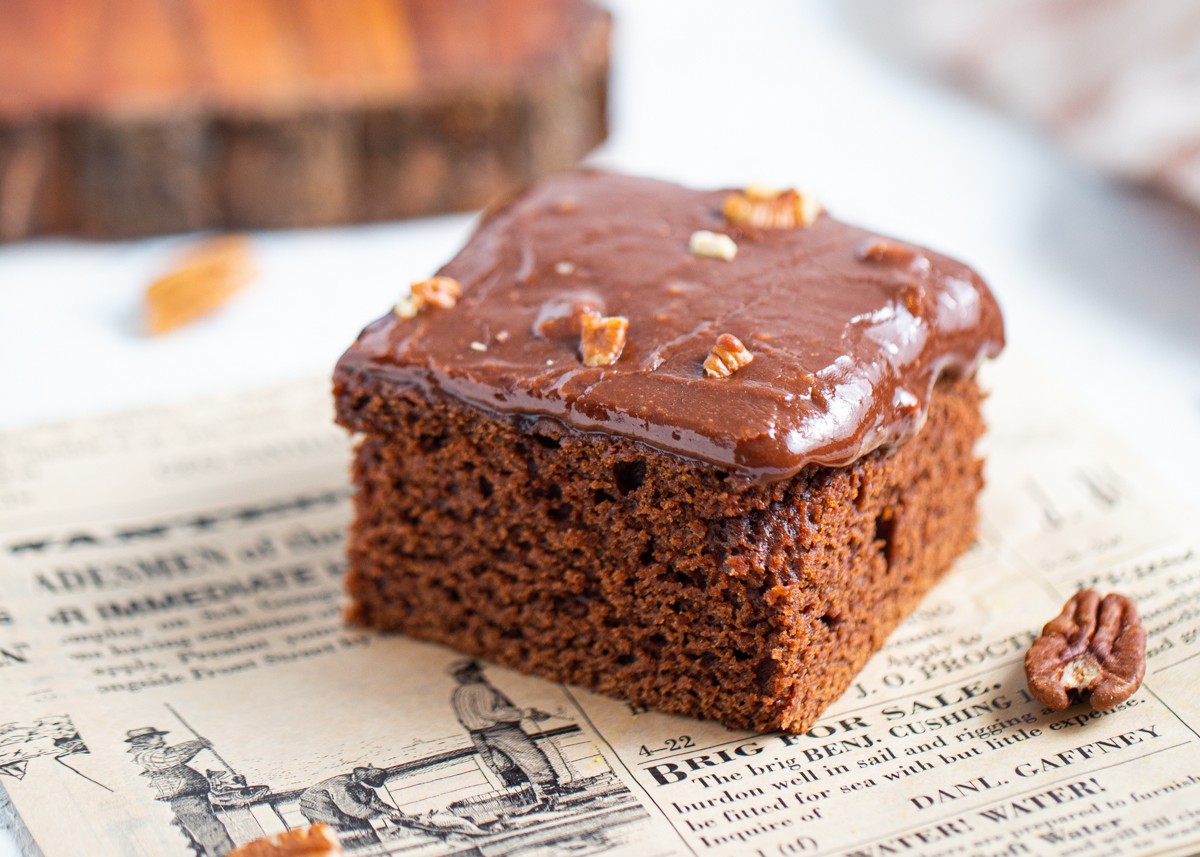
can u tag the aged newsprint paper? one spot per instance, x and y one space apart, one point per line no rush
177 678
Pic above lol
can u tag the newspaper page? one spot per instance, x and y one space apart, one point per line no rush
178 680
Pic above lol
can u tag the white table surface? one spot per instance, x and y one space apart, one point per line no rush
1100 282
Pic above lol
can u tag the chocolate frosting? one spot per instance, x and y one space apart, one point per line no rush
849 331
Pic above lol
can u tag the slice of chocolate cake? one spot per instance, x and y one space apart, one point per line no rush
698 450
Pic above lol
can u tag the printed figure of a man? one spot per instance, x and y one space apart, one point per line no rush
348 802
185 788
494 725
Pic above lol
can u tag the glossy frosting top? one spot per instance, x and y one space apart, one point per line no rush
847 341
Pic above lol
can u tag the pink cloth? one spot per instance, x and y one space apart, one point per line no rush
1117 80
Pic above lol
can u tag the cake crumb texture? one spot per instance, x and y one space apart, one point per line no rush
637 573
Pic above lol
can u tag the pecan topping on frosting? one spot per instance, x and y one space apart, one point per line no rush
442 292
886 252
602 338
1095 647
726 357
714 245
767 208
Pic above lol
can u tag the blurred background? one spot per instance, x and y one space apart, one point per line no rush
1052 145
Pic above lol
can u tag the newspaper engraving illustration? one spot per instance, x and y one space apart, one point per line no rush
509 794
179 679
53 737
183 787
494 725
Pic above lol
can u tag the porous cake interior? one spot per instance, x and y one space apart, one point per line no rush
643 575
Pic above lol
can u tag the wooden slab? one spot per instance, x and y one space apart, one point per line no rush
134 117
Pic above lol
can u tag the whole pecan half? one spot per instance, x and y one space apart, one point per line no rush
1094 646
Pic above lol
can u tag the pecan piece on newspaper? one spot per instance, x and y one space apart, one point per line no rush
1095 647
317 840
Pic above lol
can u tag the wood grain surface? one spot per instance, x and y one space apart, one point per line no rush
134 117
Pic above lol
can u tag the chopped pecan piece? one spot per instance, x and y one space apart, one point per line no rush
726 357
207 276
602 338
886 252
714 245
318 840
767 208
1095 647
912 295
441 292
407 307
